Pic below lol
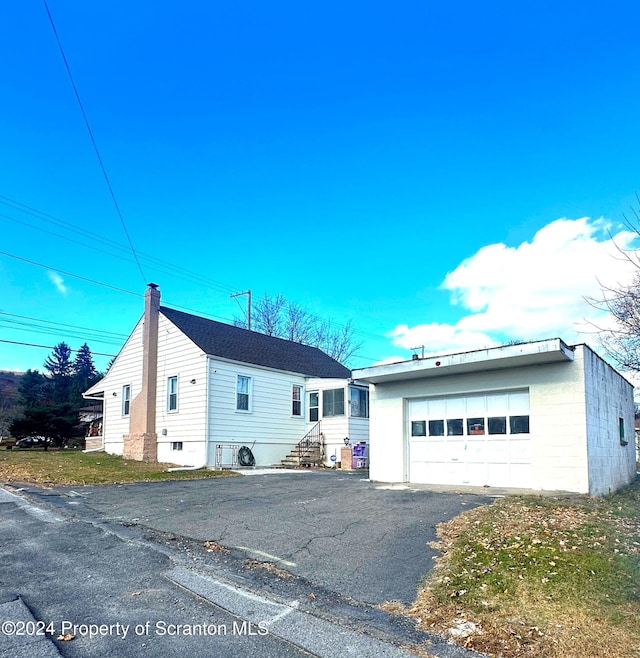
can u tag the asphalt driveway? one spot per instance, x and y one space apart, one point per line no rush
364 540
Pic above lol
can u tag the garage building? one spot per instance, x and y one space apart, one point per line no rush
539 415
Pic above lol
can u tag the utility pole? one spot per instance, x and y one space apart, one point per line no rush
248 294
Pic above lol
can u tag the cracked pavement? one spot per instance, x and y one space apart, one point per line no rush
362 540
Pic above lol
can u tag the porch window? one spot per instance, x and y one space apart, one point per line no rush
313 407
296 400
172 393
333 402
126 399
243 393
359 402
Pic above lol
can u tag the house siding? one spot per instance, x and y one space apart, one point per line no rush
124 370
179 357
268 428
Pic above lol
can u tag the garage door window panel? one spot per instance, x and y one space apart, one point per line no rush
436 428
475 426
455 427
418 428
519 424
497 424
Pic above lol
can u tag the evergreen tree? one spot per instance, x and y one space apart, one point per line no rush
84 374
33 390
60 367
57 423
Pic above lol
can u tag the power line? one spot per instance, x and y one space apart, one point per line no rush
48 347
93 141
75 276
115 334
56 221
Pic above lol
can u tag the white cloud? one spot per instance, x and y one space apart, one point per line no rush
533 291
58 282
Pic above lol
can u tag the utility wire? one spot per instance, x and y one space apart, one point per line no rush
75 276
48 347
50 219
62 324
93 141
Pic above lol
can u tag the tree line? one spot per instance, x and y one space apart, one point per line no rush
50 402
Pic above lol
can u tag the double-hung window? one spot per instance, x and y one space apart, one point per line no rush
126 399
313 406
172 393
296 400
243 393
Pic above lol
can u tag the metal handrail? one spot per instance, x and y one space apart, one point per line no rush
312 440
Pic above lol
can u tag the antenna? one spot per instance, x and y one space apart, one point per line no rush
248 293
420 347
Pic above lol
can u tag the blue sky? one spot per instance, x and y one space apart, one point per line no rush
447 174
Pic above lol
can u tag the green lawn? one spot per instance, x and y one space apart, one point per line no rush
529 576
59 467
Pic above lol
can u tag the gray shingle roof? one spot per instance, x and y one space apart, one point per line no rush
237 344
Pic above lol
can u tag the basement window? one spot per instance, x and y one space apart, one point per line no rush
176 445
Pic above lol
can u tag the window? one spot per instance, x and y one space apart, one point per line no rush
455 427
475 426
623 441
333 402
126 399
243 393
176 445
313 407
436 428
497 424
296 400
172 393
359 402
519 424
418 428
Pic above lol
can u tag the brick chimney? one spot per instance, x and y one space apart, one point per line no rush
141 443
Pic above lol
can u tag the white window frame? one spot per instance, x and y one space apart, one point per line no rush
248 393
316 406
176 445
359 391
172 378
329 409
299 400
126 399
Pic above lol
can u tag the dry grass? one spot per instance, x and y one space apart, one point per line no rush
537 577
60 467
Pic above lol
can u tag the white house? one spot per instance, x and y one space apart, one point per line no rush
190 391
540 415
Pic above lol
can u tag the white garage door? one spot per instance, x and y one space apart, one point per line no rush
479 439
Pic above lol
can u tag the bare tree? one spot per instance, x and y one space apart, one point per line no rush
621 337
621 340
267 315
276 316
